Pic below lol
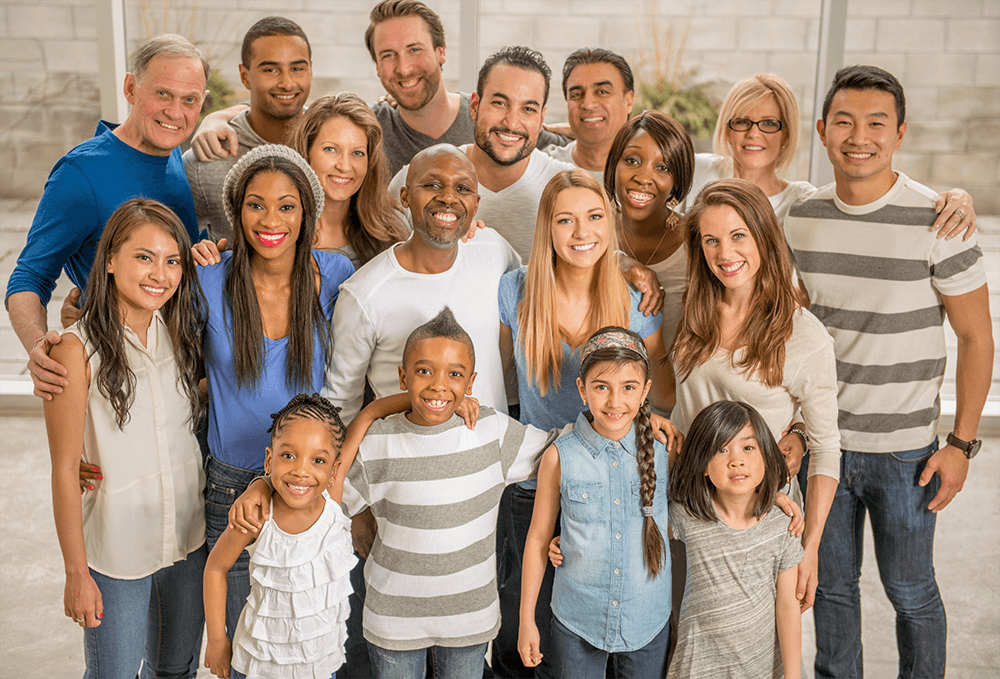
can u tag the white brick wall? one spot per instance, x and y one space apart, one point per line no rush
946 53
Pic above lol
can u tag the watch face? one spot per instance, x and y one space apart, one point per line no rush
973 448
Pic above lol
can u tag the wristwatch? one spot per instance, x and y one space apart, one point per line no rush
970 448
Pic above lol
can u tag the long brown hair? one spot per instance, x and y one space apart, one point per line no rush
306 323
653 545
768 322
712 429
183 313
374 219
537 315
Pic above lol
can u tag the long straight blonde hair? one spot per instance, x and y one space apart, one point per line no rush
540 336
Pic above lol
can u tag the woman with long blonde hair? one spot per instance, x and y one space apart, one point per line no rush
571 288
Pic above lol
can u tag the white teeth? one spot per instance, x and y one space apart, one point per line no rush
732 268
640 197
584 248
592 120
445 217
339 181
155 291
859 156
614 416
284 97
172 128
435 404
508 137
753 148
409 83
271 237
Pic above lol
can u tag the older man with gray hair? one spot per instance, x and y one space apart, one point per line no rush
139 157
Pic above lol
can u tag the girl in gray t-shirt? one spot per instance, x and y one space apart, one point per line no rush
740 616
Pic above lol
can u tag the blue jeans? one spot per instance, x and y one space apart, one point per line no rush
513 521
223 484
236 674
155 621
463 662
885 486
357 664
575 658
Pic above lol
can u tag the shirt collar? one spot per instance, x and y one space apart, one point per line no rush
596 443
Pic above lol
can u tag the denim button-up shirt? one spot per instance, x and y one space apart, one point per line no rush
603 591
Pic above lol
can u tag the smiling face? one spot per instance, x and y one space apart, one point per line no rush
441 192
510 113
147 270
301 461
407 62
729 248
597 102
272 215
754 149
737 469
165 104
339 155
642 179
614 392
860 134
579 228
279 76
438 374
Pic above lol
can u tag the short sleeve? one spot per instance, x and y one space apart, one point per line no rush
643 325
791 551
521 448
957 266
334 269
509 293
356 493
678 520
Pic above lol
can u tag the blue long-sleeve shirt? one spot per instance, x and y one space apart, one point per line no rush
83 190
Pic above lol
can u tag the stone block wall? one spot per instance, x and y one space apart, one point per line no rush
946 53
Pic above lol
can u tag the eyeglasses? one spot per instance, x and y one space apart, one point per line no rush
767 126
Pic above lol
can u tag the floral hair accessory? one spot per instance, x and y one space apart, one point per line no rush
614 338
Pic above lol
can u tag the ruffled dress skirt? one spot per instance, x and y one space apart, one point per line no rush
294 625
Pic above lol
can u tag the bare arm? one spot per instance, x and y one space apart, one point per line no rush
219 652
969 315
65 414
663 394
789 623
819 498
27 316
536 547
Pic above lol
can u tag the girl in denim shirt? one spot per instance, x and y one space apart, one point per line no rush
604 476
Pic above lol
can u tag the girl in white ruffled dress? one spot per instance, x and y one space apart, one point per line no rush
294 623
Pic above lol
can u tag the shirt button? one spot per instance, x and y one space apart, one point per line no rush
584 496
614 603
616 571
614 464
618 536
617 501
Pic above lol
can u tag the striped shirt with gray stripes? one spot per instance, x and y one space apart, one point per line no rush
434 491
875 275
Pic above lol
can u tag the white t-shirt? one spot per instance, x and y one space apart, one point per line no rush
565 154
513 210
381 304
709 167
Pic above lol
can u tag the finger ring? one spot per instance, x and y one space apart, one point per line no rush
961 214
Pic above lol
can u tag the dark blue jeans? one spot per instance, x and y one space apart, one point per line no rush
575 658
513 521
884 486
223 484
460 662
155 621
357 664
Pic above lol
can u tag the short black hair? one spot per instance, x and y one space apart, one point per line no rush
270 26
597 55
521 57
310 407
443 325
867 78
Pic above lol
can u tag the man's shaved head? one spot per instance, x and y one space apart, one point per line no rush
428 157
442 193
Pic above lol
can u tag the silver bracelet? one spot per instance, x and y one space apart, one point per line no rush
805 438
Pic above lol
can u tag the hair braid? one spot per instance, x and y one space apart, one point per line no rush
653 546
310 407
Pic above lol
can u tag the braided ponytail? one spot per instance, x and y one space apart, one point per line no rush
653 546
